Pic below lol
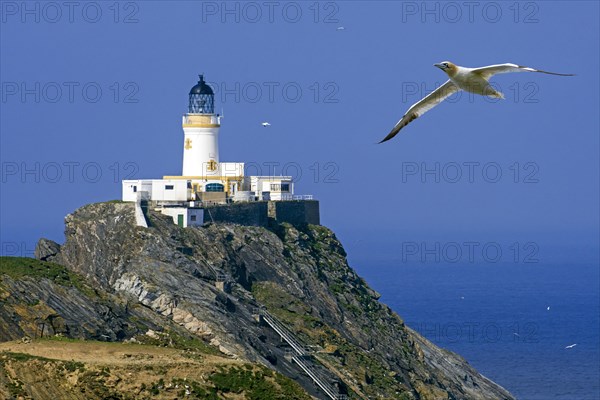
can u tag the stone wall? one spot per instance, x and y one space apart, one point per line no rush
253 213
258 213
297 212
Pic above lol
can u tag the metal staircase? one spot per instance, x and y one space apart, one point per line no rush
285 333
310 370
302 358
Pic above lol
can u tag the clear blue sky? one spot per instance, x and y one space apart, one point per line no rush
330 95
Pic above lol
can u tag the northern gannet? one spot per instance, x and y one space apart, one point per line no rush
473 80
571 346
266 124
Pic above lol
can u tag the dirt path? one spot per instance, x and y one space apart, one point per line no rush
102 370
108 353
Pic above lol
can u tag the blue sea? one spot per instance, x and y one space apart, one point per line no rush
511 322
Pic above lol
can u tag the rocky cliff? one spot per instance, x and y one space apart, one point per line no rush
212 283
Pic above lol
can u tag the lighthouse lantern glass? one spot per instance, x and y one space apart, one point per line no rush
202 104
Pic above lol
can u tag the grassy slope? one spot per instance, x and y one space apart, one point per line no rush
68 369
165 366
20 267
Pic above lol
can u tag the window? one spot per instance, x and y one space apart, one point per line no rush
192 218
134 188
169 187
277 187
215 187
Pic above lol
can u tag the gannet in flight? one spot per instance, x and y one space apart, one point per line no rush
571 346
266 124
474 80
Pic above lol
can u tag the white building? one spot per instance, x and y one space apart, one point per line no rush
274 188
204 179
185 216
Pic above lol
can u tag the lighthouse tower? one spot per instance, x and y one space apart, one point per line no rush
201 133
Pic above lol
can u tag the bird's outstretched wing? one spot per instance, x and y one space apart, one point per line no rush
422 106
487 72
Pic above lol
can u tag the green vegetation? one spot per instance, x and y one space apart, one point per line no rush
344 355
20 267
94 383
195 390
61 338
254 383
69 366
177 341
21 357
317 248
14 386
72 366
257 384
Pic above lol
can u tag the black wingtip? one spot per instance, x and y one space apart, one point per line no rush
554 73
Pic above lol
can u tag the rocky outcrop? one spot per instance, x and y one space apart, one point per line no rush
46 250
161 303
41 299
299 273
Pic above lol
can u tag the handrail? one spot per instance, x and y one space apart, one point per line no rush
310 371
290 339
290 197
303 197
283 332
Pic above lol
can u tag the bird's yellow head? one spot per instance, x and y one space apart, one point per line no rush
447 67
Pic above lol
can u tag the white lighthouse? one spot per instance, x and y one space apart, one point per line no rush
201 133
204 180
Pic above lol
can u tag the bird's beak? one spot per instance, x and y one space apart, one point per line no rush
440 66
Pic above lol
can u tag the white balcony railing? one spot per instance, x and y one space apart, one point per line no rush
302 197
276 196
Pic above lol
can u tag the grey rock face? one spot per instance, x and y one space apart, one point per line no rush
299 273
46 250
37 307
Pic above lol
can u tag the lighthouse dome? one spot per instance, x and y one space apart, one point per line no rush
201 98
201 87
